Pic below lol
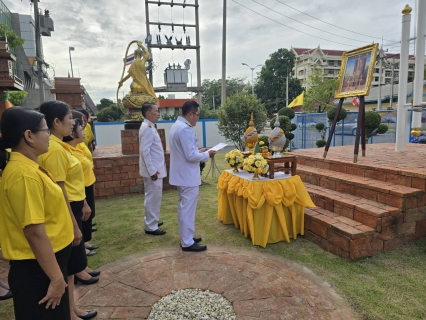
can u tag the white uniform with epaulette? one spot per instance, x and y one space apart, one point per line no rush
185 161
151 161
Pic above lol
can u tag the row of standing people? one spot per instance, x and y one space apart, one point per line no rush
185 158
47 200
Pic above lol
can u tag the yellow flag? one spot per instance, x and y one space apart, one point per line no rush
298 101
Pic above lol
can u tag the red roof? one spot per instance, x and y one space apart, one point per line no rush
172 103
398 56
300 51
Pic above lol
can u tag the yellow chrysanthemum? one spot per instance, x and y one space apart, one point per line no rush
261 143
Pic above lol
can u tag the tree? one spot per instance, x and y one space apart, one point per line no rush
320 96
160 96
12 39
212 91
16 97
234 117
105 103
270 87
109 114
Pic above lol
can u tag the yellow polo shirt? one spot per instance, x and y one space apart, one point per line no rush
89 175
63 166
82 146
88 134
29 195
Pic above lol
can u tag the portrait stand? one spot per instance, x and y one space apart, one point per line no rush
360 128
213 168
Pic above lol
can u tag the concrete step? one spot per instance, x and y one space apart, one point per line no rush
398 196
341 236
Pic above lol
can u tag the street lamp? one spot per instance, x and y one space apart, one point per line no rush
252 81
69 50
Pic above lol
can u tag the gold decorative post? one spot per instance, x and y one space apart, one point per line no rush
251 136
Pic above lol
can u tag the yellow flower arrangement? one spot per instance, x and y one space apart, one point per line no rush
256 164
234 159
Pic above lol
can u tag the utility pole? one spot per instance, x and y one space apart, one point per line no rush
393 80
39 57
148 44
223 97
379 99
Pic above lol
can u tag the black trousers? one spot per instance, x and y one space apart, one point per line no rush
78 258
29 285
87 225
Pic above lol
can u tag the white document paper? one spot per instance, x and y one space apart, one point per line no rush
218 146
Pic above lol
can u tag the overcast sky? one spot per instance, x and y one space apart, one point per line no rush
101 30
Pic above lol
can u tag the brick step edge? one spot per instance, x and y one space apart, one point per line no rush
373 214
341 236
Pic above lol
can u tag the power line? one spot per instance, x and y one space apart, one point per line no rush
309 25
361 34
348 45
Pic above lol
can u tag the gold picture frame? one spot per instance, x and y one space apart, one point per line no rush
356 72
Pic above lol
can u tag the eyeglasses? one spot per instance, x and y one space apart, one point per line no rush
46 130
197 114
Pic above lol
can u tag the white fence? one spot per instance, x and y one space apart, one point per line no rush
109 133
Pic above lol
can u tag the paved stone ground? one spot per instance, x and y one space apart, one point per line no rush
258 285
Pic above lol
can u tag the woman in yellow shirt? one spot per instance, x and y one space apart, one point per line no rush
36 231
68 173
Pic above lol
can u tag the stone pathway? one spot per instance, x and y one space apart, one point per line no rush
258 285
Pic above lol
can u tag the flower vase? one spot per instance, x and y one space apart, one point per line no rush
256 176
235 169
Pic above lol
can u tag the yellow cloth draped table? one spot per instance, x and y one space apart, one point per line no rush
267 210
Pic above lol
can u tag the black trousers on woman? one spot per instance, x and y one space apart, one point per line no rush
29 285
78 258
87 225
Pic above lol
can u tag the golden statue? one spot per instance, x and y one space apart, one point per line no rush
141 90
251 136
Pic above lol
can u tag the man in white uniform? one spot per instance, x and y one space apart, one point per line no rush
185 161
152 168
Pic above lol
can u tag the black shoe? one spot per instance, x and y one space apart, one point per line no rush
157 232
94 224
94 229
92 247
89 315
8 295
94 273
91 253
160 223
92 280
195 247
197 239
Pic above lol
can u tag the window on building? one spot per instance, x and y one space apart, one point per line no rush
387 74
331 62
376 70
330 71
376 79
387 81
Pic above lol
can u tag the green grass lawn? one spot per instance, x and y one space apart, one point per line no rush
389 286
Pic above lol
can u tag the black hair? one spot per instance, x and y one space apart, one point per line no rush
77 122
54 109
85 112
147 106
189 106
14 122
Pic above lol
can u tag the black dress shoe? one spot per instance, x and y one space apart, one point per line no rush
197 239
94 229
195 247
157 232
160 223
91 253
8 295
89 315
94 224
94 273
92 280
92 247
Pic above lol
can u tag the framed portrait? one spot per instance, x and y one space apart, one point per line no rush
356 72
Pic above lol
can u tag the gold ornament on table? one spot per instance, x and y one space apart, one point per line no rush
251 136
256 164
141 90
277 139
234 159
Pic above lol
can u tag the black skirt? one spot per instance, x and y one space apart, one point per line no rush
78 258
87 225
29 284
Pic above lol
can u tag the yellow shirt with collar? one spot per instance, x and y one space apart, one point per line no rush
63 166
82 146
88 134
29 195
89 175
